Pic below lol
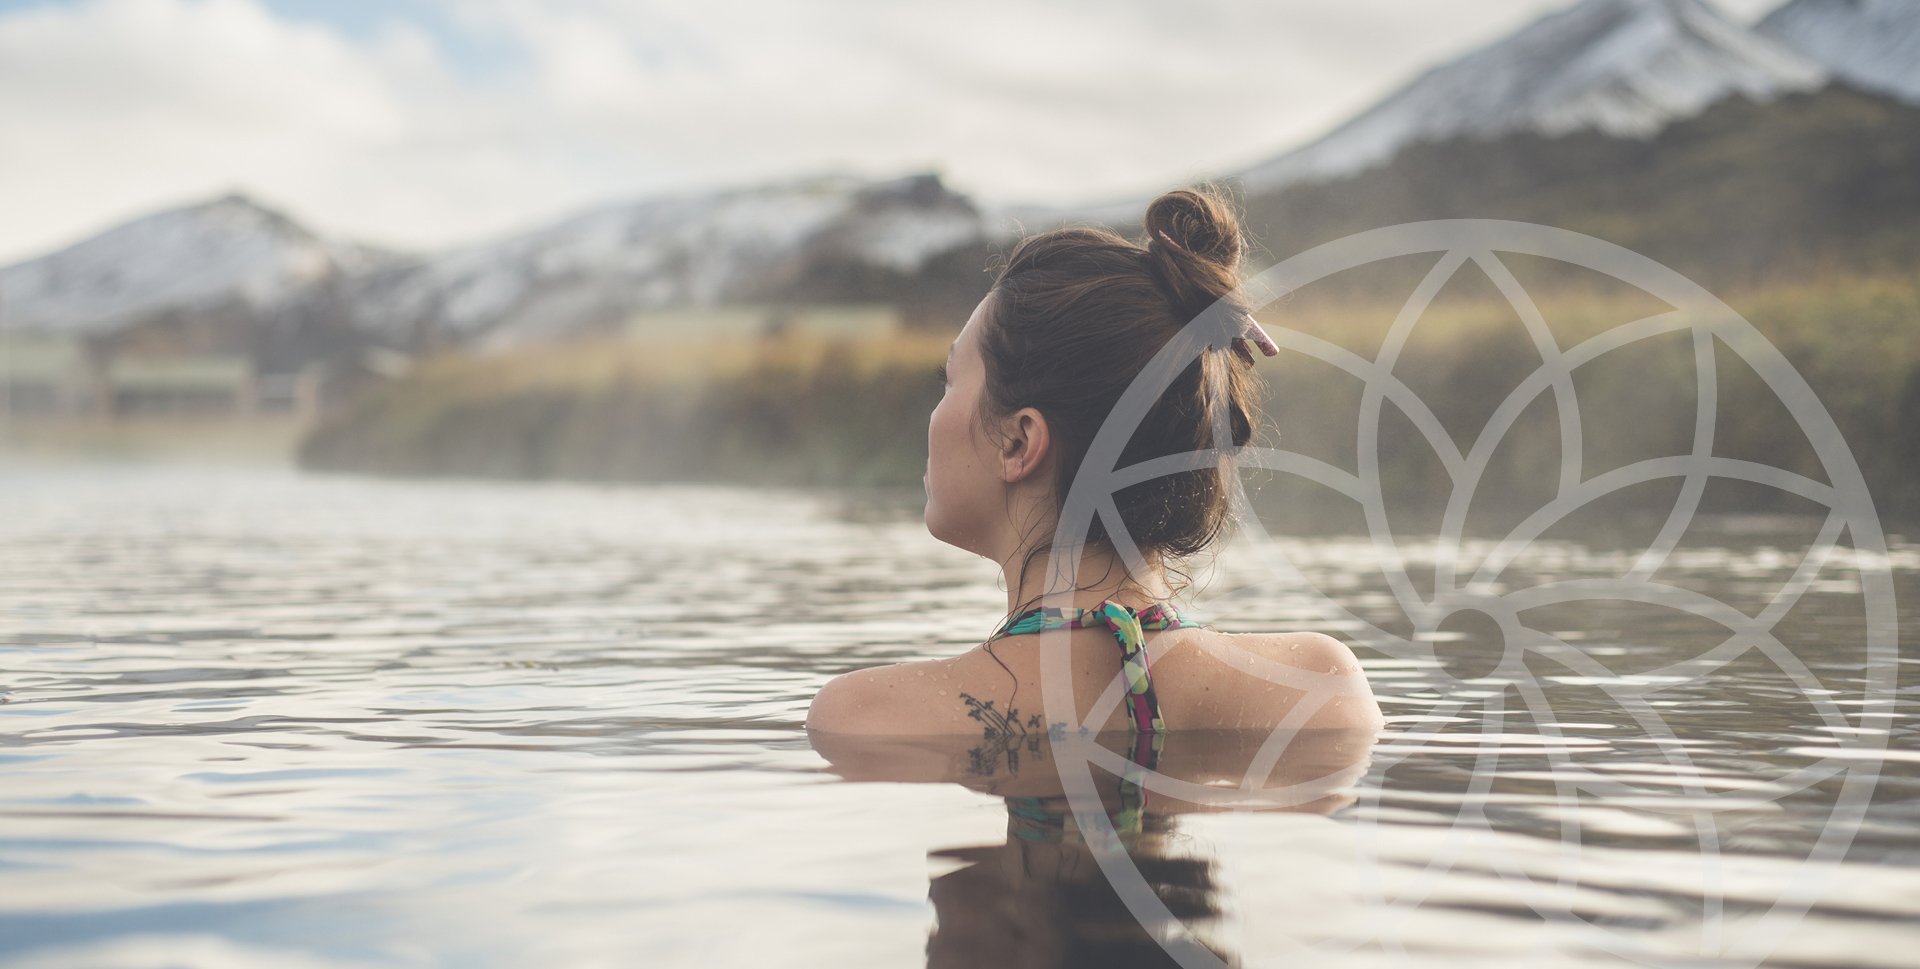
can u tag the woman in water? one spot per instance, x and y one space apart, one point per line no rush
1072 319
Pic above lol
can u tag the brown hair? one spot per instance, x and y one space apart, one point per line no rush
1079 311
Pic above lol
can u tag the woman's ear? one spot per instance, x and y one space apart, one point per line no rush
1026 445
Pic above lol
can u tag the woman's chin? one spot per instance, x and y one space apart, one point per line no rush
936 527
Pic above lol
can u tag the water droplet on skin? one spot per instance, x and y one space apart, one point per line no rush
1295 647
943 693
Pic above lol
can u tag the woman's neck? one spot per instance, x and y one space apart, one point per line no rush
1100 574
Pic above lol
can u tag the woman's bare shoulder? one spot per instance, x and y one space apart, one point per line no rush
1306 649
921 697
1300 667
962 694
1270 672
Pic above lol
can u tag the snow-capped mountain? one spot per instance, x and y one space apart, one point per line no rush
1874 44
229 249
1623 67
695 249
593 268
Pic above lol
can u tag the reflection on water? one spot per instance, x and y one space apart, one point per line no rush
254 718
1098 876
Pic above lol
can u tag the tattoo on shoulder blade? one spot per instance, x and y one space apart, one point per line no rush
1006 733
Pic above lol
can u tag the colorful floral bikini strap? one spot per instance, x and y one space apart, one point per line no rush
1155 617
1128 628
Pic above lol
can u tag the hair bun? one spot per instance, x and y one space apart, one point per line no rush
1195 241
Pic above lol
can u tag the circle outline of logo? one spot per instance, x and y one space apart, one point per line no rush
1100 476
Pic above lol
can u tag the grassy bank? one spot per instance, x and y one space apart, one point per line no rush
259 440
1855 339
790 410
816 411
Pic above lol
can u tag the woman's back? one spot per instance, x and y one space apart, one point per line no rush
1199 679
1202 679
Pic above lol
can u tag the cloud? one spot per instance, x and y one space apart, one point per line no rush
122 104
111 107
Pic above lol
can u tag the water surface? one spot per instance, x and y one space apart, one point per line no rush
263 718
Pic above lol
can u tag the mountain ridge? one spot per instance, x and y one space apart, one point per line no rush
593 265
1623 67
1874 44
909 239
224 249
1805 184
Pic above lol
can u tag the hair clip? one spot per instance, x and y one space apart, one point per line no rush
1251 330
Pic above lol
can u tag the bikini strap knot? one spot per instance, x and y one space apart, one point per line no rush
1129 630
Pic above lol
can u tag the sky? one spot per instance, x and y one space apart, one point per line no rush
418 124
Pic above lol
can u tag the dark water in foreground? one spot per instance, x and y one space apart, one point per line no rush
260 719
